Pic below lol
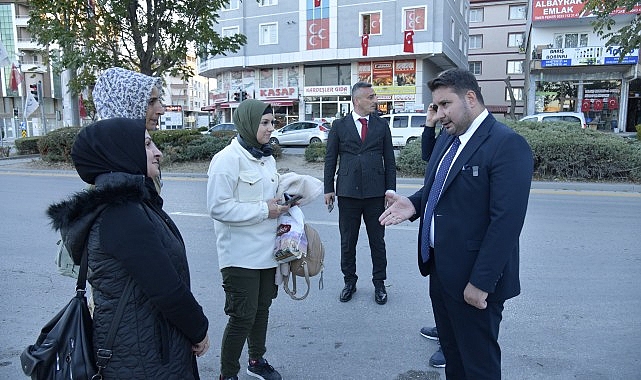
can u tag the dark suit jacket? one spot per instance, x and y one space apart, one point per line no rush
367 168
480 213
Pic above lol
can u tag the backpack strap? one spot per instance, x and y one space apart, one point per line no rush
292 293
103 355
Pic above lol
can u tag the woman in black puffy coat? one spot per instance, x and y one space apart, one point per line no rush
130 238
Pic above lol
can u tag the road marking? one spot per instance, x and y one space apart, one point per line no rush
406 227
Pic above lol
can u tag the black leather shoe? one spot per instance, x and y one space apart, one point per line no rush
347 292
380 295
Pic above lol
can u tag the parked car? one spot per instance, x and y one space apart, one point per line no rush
571 117
405 127
220 127
301 133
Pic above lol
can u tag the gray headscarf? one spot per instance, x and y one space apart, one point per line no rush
124 93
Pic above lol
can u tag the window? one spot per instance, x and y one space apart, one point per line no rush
268 34
476 41
452 29
570 40
329 75
233 4
515 67
518 12
460 40
371 23
515 40
475 67
414 18
230 31
518 94
476 15
266 3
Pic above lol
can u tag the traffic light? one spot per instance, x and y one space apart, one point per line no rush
243 95
236 97
33 88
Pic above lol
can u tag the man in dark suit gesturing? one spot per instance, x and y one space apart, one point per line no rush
367 171
471 208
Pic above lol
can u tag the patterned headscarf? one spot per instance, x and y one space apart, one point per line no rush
124 93
112 145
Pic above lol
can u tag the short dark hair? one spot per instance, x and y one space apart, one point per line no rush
458 79
360 85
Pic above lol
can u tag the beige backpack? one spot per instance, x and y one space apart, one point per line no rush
309 265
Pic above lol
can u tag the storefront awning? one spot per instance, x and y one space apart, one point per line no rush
497 109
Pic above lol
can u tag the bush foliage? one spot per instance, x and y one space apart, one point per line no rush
561 152
27 145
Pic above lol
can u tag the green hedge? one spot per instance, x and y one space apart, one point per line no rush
56 145
27 145
561 152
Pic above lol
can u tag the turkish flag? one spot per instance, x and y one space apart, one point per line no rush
365 43
317 3
16 78
613 103
598 105
585 105
408 45
81 106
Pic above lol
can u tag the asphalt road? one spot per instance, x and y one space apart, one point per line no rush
577 316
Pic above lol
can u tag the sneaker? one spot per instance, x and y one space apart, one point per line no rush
438 359
430 333
260 369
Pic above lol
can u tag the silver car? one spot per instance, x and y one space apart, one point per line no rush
301 133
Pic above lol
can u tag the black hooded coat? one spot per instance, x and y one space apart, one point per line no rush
129 236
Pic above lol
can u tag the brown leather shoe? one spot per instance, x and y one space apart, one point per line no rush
347 292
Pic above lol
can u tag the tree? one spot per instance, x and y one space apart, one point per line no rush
151 37
629 36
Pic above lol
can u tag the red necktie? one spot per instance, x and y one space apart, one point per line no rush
363 128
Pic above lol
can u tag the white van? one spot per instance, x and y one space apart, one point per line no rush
405 127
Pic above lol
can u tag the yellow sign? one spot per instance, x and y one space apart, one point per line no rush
24 133
394 90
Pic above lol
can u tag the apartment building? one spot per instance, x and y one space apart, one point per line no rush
570 68
303 56
35 72
496 52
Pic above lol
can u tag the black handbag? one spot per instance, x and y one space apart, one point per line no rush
64 349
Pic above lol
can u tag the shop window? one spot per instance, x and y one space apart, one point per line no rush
515 67
328 75
476 15
518 94
371 23
476 67
268 33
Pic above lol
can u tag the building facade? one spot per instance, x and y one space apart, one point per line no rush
35 72
570 68
303 56
497 53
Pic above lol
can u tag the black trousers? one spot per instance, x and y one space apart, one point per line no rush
350 212
468 336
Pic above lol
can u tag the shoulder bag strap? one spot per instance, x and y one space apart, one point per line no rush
104 354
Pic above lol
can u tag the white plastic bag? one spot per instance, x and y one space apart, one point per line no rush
291 242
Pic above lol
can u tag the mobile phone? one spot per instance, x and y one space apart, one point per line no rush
291 199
